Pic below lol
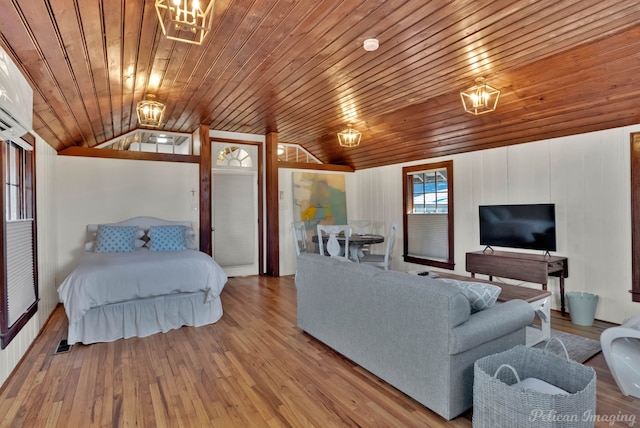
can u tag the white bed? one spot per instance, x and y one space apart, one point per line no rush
113 295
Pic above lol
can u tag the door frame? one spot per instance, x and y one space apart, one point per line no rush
635 216
241 173
206 175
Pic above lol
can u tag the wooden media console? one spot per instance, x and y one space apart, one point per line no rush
520 266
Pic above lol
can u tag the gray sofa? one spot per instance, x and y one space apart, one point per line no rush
415 333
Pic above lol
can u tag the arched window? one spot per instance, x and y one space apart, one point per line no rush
234 157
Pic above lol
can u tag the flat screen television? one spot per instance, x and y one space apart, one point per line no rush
528 226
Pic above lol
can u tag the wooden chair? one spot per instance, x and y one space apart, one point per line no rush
333 246
383 260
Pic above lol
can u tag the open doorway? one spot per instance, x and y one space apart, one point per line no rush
234 191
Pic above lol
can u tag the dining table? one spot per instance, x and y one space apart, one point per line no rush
356 242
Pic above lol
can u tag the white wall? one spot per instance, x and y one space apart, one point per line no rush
588 178
46 205
98 190
285 214
213 134
47 247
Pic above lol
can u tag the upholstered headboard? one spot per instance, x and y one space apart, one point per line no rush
143 223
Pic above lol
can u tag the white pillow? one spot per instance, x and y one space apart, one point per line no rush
190 238
479 294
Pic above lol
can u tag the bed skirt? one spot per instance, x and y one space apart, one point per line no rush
144 317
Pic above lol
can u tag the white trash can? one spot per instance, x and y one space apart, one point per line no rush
582 307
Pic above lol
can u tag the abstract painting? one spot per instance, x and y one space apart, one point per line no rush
319 198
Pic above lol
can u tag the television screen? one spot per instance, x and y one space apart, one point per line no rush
530 226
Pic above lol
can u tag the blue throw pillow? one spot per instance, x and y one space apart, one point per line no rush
167 238
115 239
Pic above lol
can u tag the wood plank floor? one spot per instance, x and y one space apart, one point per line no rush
254 368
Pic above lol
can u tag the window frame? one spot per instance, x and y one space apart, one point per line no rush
28 180
20 163
635 216
407 203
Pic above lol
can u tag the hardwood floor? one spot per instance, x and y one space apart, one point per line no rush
254 368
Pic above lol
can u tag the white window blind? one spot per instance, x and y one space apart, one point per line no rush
234 219
20 279
428 236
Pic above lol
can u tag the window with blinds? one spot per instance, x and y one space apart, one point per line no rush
19 291
428 219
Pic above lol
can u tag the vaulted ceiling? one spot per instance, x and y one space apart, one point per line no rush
297 67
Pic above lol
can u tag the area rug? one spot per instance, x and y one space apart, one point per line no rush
580 348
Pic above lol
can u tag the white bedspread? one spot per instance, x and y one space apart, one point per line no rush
104 278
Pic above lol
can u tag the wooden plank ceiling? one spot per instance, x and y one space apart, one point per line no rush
297 67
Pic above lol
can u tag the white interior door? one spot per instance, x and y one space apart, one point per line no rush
235 215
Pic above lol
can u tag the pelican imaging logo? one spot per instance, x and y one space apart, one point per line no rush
539 415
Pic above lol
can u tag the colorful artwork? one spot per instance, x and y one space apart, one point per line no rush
319 198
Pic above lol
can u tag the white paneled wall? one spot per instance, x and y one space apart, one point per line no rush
285 215
47 259
376 197
99 190
588 178
359 194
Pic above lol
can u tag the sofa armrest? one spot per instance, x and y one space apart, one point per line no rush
485 326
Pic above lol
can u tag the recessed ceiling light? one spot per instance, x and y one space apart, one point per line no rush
371 45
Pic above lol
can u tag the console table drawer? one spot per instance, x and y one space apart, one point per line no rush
556 266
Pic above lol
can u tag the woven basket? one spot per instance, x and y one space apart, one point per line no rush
496 403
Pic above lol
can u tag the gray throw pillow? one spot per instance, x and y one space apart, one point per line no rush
480 295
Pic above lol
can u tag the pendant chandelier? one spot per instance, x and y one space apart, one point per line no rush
349 137
480 98
150 112
185 20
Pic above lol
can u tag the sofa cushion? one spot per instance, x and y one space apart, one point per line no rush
480 295
491 324
457 310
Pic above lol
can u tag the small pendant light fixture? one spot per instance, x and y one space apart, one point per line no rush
150 112
349 137
480 98
185 20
